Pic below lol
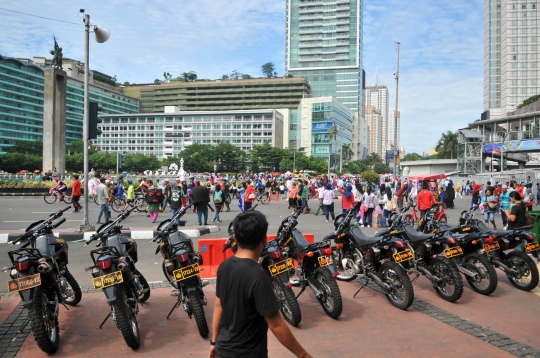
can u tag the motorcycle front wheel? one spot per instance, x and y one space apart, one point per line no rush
287 300
44 323
126 321
331 299
450 288
401 293
197 310
486 281
528 271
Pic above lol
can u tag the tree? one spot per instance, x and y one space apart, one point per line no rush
127 84
140 162
347 152
190 76
167 77
447 146
318 164
157 81
198 157
411 157
15 162
225 77
286 164
266 157
26 147
245 76
235 75
268 69
370 176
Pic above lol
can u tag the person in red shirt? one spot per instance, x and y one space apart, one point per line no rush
249 196
76 194
425 199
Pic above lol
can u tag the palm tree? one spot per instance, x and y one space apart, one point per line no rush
447 145
346 152
332 135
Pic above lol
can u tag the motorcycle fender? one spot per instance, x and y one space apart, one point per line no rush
110 293
27 297
284 277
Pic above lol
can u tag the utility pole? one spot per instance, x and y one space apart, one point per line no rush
396 115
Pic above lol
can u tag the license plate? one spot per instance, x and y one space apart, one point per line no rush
466 229
184 273
491 247
280 267
24 283
325 260
403 256
453 251
533 246
107 280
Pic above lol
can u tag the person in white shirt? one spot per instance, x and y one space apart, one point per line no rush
320 196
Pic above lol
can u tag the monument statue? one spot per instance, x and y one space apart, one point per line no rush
57 55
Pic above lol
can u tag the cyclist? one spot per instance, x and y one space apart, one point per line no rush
60 188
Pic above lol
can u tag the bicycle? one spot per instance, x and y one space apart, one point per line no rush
263 197
414 217
51 198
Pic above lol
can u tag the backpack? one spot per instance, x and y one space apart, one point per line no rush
120 192
218 199
154 196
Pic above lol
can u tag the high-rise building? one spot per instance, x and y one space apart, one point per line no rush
324 45
510 55
376 96
374 121
391 133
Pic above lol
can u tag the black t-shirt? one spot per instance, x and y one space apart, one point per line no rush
519 211
246 295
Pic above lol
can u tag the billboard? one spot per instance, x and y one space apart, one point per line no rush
514 146
321 126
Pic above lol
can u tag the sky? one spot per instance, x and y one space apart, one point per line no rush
441 57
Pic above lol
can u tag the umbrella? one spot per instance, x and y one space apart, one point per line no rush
23 171
125 172
306 175
37 171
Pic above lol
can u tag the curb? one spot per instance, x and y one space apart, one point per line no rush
135 234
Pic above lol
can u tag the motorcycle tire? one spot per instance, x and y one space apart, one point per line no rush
76 295
169 277
395 276
143 297
344 274
50 198
126 321
521 261
332 304
451 287
197 310
488 283
44 324
288 304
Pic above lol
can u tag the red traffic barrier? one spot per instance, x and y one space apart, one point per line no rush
212 256
309 237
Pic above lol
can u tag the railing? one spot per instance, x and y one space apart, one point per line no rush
513 135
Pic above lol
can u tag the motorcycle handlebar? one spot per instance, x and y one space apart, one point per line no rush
58 223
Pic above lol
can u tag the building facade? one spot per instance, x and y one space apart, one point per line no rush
376 96
324 45
391 132
511 52
21 102
167 133
374 121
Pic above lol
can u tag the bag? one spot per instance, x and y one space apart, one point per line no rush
391 205
526 199
218 199
251 196
228 200
364 208
492 205
529 220
154 196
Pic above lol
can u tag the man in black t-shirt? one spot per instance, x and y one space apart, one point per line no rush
246 305
516 217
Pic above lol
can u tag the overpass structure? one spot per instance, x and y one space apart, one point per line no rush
514 138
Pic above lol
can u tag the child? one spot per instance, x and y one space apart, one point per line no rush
442 196
293 195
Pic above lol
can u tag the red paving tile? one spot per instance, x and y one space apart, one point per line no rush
369 326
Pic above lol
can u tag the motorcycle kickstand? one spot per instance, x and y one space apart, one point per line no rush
302 290
105 320
176 305
361 287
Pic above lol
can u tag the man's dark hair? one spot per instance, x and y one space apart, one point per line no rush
102 180
515 195
488 183
250 229
75 176
425 185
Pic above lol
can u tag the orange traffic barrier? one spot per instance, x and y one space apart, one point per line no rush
212 256
277 195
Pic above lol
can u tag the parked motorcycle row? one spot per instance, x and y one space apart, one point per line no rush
441 253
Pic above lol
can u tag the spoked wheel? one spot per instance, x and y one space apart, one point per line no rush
50 198
265 199
450 288
72 294
197 310
289 305
68 199
443 220
141 204
331 299
527 278
144 290
126 320
410 219
118 205
344 273
400 292
485 281
95 200
44 323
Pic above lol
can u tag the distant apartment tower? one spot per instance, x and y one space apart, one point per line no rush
390 137
376 96
510 55
324 45
374 121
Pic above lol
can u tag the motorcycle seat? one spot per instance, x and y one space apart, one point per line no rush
482 227
445 228
414 235
361 238
299 240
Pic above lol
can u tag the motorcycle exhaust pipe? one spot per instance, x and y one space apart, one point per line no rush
285 254
122 265
169 265
44 267
197 258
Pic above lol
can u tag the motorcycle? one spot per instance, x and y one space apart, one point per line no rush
41 277
181 269
432 254
277 263
114 273
316 268
376 259
509 251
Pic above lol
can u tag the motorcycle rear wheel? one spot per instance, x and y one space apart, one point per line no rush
451 287
74 291
522 262
488 283
331 302
402 294
197 310
44 324
126 320
288 304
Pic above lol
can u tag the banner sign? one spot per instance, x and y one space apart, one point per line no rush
514 146
321 126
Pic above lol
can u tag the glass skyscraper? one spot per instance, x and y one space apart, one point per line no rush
324 45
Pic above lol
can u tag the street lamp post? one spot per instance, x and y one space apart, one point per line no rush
396 114
101 35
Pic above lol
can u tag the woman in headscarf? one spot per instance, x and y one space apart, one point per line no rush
386 198
347 199
450 195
